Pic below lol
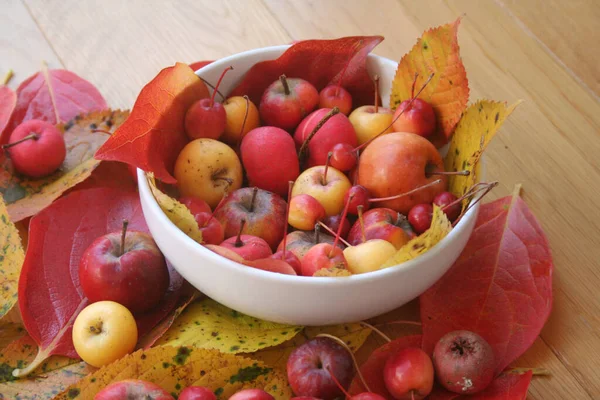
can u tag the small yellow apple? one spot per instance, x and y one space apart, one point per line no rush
329 192
207 168
368 256
235 109
368 123
103 332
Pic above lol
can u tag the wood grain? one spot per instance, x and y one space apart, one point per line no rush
568 29
541 52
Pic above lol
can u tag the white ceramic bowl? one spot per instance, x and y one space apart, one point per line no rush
296 299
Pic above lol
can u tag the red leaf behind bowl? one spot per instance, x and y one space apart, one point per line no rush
320 62
8 101
50 296
500 287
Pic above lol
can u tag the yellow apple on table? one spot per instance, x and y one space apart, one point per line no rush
368 256
103 332
207 169
329 190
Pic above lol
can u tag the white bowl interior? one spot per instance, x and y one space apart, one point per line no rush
296 299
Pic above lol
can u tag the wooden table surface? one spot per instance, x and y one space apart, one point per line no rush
546 52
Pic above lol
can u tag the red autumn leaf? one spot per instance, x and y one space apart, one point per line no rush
501 285
56 96
195 66
50 296
8 101
320 62
372 369
153 135
112 174
504 387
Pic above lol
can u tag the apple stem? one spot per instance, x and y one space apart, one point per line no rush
212 215
376 83
371 327
339 231
338 384
34 136
287 218
407 193
304 147
365 144
412 91
123 235
210 85
328 229
253 200
344 345
361 223
7 77
239 143
485 189
430 171
238 240
412 395
286 86
212 98
317 232
324 179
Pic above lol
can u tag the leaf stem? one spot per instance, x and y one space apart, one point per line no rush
343 344
371 327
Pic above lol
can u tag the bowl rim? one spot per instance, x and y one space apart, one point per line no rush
407 266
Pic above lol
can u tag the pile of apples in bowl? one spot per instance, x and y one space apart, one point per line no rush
311 161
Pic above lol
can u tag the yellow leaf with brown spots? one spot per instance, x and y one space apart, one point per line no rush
437 52
439 229
9 332
179 214
26 197
174 368
11 261
332 272
207 324
45 386
354 335
474 132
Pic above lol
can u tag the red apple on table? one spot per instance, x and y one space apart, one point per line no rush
328 189
286 101
36 148
336 96
310 366
408 374
133 389
197 393
382 223
299 242
118 261
264 213
398 163
270 160
337 129
252 394
418 118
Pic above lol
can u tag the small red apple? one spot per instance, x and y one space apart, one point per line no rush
289 258
36 148
445 199
197 393
305 211
195 204
133 389
248 246
333 222
119 261
464 362
336 130
398 163
211 228
336 96
272 265
286 101
382 223
299 242
420 217
310 366
408 374
322 256
418 118
252 394
264 213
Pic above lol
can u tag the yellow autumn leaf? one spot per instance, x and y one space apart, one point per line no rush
207 324
437 52
179 214
440 227
9 332
46 384
175 368
11 261
332 272
474 132
22 351
354 335
25 197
